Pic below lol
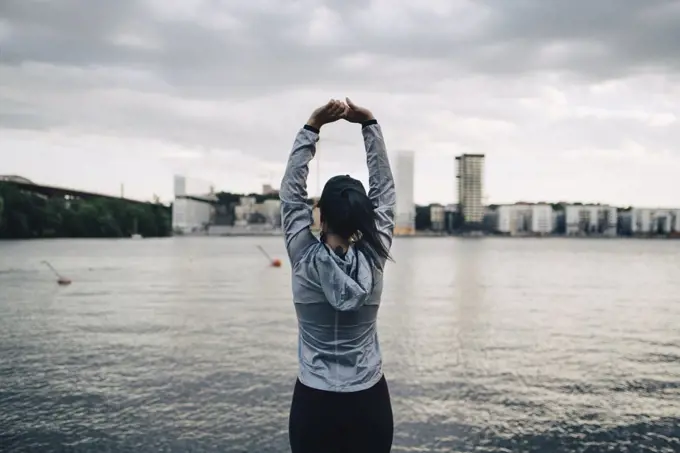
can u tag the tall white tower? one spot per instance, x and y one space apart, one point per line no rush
405 220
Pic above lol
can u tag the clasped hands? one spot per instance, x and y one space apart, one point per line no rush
335 110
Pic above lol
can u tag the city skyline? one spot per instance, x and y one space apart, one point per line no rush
568 101
268 189
244 214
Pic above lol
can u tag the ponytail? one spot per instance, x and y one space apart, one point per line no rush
367 237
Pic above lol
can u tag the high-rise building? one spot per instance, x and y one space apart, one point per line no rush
405 220
470 174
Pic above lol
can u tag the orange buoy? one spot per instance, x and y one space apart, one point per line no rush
273 262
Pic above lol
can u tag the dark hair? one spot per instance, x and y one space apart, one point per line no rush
348 212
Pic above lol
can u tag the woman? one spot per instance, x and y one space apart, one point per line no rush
341 402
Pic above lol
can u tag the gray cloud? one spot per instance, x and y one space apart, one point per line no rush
223 48
527 77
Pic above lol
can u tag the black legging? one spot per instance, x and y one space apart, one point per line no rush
334 422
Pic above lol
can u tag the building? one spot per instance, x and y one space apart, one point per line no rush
490 219
224 214
245 211
584 220
405 216
559 221
650 221
437 217
542 219
523 218
470 176
267 189
249 211
514 219
190 214
271 210
451 218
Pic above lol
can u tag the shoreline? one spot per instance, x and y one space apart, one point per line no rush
261 234
555 236
440 236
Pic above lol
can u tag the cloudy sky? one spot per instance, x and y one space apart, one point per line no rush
569 100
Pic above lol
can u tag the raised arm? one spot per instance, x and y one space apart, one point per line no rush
296 214
380 180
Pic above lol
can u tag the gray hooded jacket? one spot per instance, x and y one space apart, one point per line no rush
336 298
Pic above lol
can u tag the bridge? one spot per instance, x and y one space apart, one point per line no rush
207 199
52 191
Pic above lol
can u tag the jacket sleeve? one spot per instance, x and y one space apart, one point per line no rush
380 180
296 214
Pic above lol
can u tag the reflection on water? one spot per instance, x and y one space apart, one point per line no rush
489 344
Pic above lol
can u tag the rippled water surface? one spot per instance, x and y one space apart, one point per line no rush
492 345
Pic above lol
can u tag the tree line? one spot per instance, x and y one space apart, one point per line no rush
25 215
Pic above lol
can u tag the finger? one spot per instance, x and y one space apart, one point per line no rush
337 113
338 108
350 103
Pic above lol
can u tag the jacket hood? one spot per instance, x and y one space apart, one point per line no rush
347 282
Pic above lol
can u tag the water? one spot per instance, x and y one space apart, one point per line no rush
491 345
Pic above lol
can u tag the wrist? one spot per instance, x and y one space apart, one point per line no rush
311 127
314 124
369 122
